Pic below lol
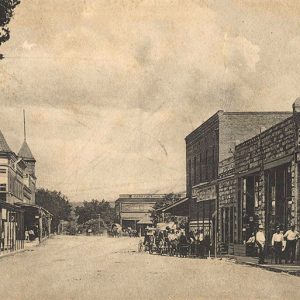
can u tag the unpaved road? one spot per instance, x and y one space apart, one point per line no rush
105 268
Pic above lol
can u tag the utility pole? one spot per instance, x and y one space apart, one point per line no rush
99 223
24 120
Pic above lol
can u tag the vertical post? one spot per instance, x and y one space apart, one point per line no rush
198 215
99 223
40 225
1 229
24 125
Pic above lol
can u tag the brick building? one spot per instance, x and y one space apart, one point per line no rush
212 142
259 184
131 208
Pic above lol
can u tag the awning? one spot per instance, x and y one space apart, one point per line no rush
33 206
179 202
10 206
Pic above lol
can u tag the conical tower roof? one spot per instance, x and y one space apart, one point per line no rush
25 152
3 144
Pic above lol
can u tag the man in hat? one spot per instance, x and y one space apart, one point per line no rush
277 243
261 241
291 236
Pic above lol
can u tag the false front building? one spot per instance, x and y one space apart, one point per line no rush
132 208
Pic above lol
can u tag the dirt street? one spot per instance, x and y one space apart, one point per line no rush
67 267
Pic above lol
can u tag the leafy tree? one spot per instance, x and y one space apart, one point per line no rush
56 203
6 13
169 199
91 209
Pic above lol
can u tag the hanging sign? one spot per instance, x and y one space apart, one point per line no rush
205 193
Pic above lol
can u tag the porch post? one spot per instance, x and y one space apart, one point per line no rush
1 229
40 225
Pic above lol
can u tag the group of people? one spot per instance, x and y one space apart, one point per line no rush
283 244
31 233
175 242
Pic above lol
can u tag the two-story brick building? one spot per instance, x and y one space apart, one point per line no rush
208 145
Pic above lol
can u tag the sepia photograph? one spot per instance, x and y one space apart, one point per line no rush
149 149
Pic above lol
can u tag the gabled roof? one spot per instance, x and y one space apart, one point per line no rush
25 152
3 144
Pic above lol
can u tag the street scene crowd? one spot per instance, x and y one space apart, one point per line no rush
283 244
175 242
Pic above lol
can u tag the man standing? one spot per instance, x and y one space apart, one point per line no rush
291 239
277 243
261 240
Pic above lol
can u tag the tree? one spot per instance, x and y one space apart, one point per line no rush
162 203
91 209
56 203
6 13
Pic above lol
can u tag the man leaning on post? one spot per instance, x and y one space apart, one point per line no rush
261 241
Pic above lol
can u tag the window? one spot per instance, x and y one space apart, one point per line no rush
189 173
2 171
2 187
213 163
195 170
200 168
206 165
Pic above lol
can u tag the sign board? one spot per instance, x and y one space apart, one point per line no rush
142 196
4 213
136 207
205 193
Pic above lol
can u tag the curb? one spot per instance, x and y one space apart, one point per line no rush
12 253
24 250
269 268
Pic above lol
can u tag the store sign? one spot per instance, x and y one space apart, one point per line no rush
204 194
3 214
142 196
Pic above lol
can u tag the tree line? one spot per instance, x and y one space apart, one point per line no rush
95 214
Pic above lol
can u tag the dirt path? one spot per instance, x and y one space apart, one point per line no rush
106 268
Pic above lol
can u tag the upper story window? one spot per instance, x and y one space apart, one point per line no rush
206 166
2 171
189 173
195 170
213 163
199 168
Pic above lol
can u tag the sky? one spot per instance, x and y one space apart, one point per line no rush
111 88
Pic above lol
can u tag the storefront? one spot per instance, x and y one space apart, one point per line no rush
278 188
38 219
11 228
206 213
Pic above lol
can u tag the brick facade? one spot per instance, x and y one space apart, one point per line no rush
214 141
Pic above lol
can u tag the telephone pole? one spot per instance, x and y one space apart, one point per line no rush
99 223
